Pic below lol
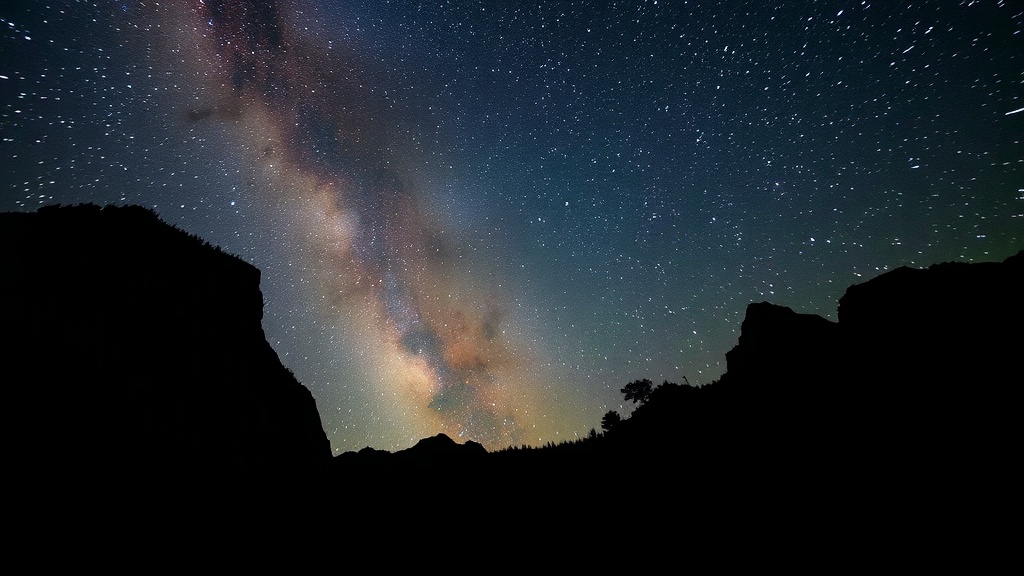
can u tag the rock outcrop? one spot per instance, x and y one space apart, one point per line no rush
921 369
906 332
943 327
134 358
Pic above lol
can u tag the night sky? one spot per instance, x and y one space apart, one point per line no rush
485 218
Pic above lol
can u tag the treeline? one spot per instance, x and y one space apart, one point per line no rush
657 407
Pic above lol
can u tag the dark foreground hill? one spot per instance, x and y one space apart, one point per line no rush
134 363
906 408
135 369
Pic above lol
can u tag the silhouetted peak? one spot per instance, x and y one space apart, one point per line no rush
934 329
442 444
764 319
774 338
959 291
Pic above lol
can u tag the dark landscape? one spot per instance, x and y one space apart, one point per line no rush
136 373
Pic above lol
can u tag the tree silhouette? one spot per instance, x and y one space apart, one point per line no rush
638 390
611 420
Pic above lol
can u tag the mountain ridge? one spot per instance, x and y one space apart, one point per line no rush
911 382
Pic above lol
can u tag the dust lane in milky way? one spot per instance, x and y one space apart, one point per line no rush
388 269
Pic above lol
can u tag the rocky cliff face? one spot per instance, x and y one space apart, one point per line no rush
778 344
134 354
919 374
926 330
939 328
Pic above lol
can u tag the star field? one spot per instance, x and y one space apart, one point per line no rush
485 218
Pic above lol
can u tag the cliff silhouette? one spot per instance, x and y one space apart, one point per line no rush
135 364
917 354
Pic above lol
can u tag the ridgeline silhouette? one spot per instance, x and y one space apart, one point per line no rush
134 359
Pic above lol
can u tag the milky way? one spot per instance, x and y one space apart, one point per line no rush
384 266
484 219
